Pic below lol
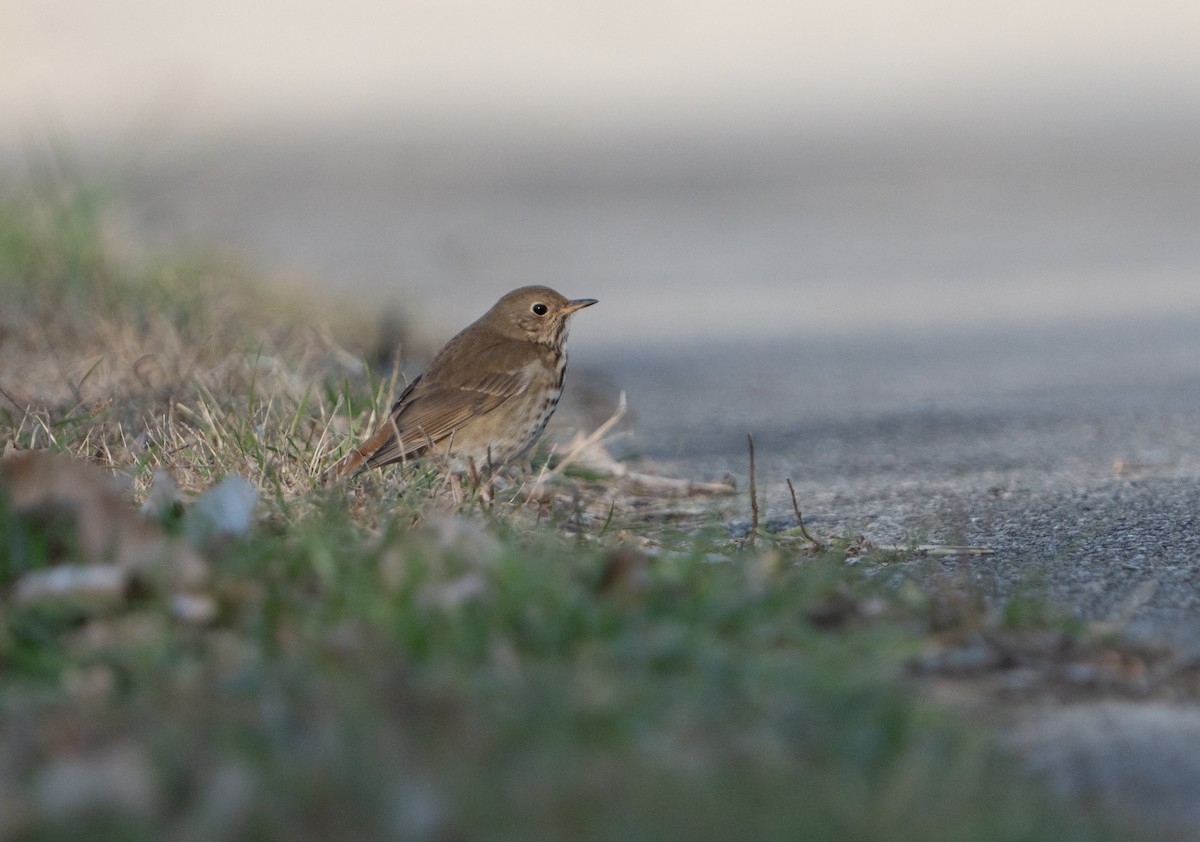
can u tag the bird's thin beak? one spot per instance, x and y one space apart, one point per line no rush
579 304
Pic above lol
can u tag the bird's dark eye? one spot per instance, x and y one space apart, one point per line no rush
539 309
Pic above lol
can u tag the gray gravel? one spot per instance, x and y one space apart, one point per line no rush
1073 453
1138 760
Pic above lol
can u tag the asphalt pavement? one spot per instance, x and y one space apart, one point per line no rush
1072 452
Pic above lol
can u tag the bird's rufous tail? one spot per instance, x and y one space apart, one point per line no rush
358 458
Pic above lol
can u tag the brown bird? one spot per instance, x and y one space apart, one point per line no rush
486 397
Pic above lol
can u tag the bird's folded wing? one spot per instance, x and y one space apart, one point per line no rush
431 413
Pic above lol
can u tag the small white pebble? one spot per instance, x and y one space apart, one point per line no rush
193 608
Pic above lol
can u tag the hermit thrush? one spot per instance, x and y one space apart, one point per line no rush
487 395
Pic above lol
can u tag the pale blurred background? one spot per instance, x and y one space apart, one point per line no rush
706 169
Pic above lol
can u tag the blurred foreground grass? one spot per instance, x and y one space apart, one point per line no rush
405 666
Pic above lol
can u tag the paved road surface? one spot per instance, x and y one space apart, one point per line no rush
1073 452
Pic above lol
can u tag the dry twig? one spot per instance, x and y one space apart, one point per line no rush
817 545
753 493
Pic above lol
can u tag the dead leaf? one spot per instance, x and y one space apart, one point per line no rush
97 540
625 570
834 611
